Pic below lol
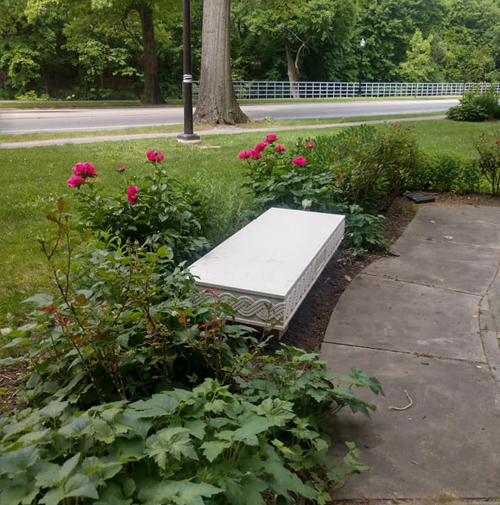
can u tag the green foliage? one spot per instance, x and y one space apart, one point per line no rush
489 160
476 106
467 112
373 165
125 323
358 173
443 171
186 446
418 66
166 212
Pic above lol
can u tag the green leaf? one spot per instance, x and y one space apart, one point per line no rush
249 491
20 493
158 405
40 300
80 485
174 442
130 449
112 495
19 460
68 467
106 469
196 428
47 474
54 409
33 437
77 486
276 411
211 450
102 431
77 427
247 433
180 493
130 420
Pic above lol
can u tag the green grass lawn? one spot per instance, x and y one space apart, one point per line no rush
33 179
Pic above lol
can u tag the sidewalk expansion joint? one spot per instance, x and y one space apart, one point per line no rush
407 281
409 353
426 240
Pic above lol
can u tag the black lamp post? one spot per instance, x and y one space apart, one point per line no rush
187 79
362 45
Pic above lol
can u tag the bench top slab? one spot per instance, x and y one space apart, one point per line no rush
267 256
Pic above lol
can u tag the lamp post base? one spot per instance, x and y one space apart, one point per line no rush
188 138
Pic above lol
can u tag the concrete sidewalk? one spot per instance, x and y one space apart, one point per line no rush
427 322
222 130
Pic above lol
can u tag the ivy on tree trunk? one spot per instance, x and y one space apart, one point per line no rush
152 93
216 99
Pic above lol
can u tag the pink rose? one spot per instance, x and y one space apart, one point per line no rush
84 170
155 156
261 146
278 148
255 155
243 155
75 180
299 162
272 137
132 194
120 167
310 144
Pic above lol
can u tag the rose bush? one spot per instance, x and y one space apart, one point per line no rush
357 173
153 208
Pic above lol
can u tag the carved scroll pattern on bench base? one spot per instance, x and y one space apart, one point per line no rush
252 309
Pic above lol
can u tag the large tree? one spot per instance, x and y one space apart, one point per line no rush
299 23
145 9
216 99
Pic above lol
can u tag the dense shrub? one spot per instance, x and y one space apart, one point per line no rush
211 444
149 208
443 171
467 112
489 160
476 106
373 165
358 172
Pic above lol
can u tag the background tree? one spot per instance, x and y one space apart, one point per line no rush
216 99
298 23
89 49
418 65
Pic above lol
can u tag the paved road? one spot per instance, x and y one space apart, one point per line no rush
31 121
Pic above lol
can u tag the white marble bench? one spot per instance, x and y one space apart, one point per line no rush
270 265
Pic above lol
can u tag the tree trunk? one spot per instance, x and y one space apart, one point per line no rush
152 93
45 78
293 74
216 99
